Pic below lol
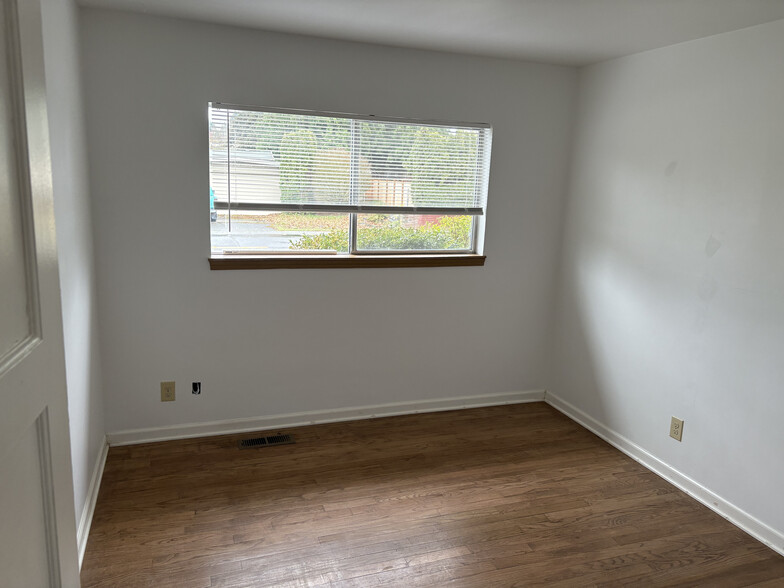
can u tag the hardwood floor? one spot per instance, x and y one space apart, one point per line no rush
513 495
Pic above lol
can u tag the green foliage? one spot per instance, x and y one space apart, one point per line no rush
334 240
449 233
296 161
386 146
264 131
442 165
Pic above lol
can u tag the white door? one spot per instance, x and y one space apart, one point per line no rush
37 525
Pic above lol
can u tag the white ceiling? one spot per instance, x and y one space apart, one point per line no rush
571 32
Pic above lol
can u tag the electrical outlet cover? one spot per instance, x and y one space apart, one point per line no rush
167 391
676 428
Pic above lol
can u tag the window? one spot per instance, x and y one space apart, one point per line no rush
299 184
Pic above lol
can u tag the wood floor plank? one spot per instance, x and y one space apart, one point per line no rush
515 495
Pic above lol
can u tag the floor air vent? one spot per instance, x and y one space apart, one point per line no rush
266 441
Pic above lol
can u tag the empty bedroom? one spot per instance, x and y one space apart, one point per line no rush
422 293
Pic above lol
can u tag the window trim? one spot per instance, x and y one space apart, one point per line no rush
365 258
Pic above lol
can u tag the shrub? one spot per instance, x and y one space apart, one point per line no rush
449 233
337 240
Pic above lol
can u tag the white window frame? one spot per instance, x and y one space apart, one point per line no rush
478 212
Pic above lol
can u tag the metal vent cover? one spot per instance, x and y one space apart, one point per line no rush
279 439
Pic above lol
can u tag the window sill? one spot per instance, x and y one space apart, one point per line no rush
221 262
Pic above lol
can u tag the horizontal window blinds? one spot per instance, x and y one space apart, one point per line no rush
297 160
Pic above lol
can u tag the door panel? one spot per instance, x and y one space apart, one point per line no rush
37 523
16 304
23 486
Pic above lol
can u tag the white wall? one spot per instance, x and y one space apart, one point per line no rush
74 240
672 286
282 341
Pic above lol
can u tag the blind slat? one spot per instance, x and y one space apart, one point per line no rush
279 160
345 115
358 208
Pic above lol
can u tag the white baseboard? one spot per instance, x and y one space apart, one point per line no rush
131 437
716 503
83 531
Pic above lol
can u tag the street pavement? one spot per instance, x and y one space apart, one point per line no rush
252 235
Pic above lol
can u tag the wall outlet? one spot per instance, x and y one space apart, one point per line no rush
676 428
196 388
167 391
